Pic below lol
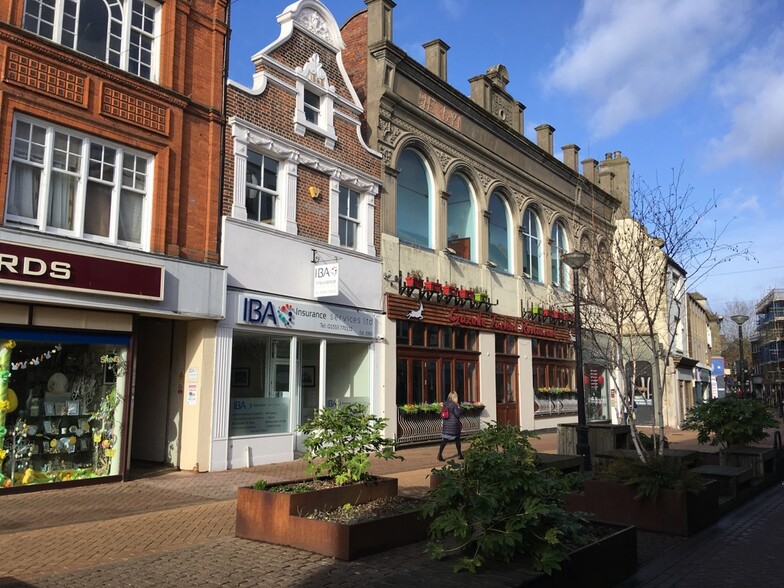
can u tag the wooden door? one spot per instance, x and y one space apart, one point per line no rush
506 392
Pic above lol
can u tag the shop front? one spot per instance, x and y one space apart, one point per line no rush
280 359
504 368
71 341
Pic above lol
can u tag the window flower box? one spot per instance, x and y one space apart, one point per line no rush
432 286
413 279
448 290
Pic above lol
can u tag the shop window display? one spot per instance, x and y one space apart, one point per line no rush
260 396
61 407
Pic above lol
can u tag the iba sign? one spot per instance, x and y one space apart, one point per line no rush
326 279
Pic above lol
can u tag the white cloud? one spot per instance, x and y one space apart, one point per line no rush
454 8
752 90
634 59
748 203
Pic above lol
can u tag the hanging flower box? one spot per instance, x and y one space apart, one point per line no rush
448 290
466 294
546 312
414 279
432 286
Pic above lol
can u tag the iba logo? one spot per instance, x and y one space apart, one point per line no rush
257 312
286 315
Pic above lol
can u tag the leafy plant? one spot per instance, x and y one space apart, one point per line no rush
260 485
497 504
340 441
652 476
435 407
730 421
647 441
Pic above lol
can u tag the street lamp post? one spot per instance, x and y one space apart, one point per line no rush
576 260
740 319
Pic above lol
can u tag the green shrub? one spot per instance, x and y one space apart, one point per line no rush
339 442
647 441
730 421
496 504
651 477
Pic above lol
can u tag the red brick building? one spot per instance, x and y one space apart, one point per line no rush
300 240
111 127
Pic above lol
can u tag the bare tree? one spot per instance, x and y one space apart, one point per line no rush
635 309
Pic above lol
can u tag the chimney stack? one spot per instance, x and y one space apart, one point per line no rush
591 170
379 21
544 137
435 57
618 166
570 156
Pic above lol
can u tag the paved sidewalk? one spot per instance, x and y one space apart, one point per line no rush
177 529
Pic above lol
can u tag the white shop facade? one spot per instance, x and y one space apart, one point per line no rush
281 356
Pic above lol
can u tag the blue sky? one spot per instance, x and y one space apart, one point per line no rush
691 84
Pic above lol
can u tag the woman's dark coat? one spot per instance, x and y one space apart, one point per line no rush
452 424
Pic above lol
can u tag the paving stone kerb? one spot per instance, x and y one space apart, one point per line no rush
177 529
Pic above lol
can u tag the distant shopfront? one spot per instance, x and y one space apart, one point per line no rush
442 347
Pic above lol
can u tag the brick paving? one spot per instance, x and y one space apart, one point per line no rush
177 529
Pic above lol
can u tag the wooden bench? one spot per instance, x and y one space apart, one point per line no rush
565 463
731 479
761 460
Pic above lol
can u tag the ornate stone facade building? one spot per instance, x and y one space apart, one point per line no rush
470 204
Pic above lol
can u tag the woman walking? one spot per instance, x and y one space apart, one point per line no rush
451 426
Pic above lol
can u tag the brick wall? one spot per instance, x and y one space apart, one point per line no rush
312 213
355 55
178 120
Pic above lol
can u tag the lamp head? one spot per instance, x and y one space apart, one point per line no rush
739 318
575 259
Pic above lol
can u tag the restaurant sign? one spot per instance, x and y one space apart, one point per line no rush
400 308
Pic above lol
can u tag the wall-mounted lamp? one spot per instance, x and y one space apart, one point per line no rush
314 192
491 264
449 251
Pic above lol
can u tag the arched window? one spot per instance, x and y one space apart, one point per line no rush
123 33
532 246
558 247
461 218
498 232
413 200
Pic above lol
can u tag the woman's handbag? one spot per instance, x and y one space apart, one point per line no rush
444 412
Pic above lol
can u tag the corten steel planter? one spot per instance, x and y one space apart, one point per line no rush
265 516
605 562
351 541
674 513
